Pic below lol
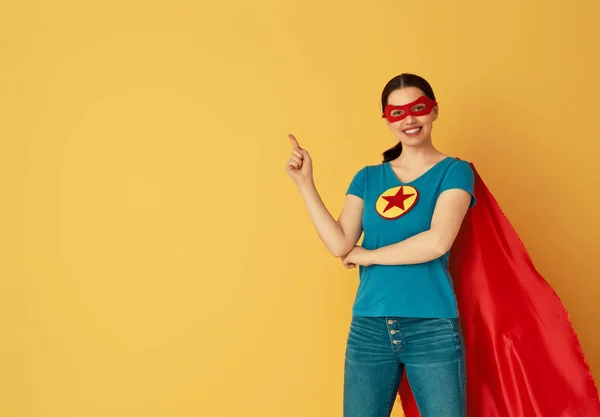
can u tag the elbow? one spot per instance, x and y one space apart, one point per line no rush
341 250
441 246
441 250
337 254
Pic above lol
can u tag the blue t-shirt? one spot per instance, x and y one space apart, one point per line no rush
394 211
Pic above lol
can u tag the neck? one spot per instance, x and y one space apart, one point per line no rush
418 155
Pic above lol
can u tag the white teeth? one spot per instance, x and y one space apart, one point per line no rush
411 131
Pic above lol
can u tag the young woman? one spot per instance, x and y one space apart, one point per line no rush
410 208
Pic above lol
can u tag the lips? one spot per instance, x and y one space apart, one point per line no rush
412 131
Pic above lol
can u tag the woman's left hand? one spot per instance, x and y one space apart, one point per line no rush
357 256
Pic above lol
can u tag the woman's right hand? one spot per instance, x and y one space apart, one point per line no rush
299 166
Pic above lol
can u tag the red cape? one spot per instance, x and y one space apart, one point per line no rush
523 356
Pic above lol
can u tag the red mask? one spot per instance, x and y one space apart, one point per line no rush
420 107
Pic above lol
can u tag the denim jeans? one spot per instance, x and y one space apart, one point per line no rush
430 351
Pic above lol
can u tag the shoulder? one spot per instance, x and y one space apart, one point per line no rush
373 167
459 174
361 180
458 161
458 165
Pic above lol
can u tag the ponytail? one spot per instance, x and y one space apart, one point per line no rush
392 153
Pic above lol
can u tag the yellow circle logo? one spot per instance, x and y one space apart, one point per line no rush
396 202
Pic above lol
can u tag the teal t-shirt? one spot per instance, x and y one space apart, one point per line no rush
394 211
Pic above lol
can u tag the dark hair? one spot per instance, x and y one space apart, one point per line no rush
396 83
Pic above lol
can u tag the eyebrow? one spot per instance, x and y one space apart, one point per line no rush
404 105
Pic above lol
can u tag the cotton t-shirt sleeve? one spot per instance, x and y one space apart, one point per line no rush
461 176
357 186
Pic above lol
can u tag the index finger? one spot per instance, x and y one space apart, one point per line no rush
294 141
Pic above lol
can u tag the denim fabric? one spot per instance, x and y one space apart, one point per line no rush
429 350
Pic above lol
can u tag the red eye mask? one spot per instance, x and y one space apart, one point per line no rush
420 107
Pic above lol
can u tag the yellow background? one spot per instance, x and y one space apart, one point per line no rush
155 258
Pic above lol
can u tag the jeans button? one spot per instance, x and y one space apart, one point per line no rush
395 342
390 321
392 331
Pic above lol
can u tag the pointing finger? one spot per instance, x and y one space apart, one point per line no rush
294 141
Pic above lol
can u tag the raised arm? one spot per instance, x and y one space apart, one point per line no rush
338 236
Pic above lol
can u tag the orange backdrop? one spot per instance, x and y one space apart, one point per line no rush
156 260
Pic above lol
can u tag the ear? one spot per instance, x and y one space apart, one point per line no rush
436 113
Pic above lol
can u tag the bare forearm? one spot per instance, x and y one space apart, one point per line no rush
328 229
426 246
420 248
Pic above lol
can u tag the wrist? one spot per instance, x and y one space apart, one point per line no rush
306 186
371 256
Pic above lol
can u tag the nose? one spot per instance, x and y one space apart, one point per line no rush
410 120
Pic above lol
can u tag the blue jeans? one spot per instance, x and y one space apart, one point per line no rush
380 349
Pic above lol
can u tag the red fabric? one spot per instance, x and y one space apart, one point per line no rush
408 109
523 356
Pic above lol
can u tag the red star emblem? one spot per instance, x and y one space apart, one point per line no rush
397 200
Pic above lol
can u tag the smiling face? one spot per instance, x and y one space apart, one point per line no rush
412 121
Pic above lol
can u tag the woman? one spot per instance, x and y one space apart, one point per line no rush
410 208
